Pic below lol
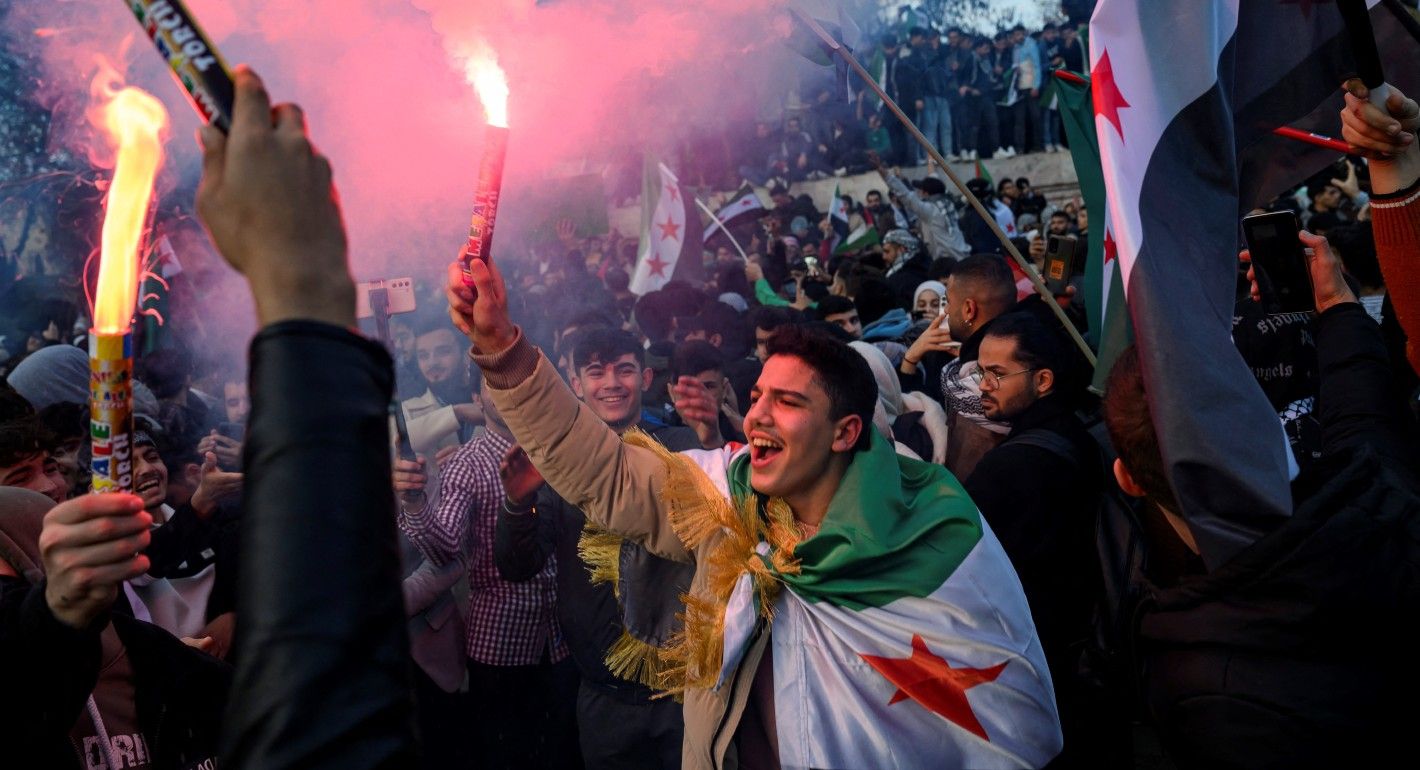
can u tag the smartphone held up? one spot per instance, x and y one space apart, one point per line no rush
1279 261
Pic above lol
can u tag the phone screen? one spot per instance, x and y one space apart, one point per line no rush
1279 261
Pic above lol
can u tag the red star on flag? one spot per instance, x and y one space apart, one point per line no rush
933 683
669 229
673 193
1111 251
658 267
1107 98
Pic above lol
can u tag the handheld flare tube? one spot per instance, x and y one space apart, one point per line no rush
191 55
485 198
1362 37
111 410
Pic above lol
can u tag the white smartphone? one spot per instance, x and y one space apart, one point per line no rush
399 296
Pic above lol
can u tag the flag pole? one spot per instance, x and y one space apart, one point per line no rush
1011 249
723 229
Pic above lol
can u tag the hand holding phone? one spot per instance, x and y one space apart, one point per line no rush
1061 253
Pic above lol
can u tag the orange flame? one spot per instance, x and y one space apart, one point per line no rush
492 86
135 122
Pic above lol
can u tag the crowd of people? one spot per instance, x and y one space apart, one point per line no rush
974 96
661 530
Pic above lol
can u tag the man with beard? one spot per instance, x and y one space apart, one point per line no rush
1040 491
440 419
517 657
979 290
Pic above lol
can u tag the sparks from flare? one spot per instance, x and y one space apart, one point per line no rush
136 123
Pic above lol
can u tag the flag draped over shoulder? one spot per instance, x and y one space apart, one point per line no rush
1110 331
1185 97
667 210
900 634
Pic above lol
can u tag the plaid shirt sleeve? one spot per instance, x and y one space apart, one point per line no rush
466 484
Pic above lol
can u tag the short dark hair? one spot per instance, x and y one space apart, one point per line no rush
1131 429
693 357
1022 182
430 322
22 438
602 345
654 315
833 306
874 299
66 420
770 318
988 277
1355 245
932 186
617 280
841 372
1062 213
1037 346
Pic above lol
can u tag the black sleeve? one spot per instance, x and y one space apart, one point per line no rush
522 542
52 665
1357 403
323 673
995 485
180 539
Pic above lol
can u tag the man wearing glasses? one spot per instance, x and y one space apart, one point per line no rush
1040 491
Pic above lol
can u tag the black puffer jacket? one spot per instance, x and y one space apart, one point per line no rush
323 673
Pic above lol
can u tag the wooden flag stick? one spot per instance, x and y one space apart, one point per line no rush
1021 261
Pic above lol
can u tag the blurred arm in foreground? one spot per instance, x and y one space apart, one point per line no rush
327 680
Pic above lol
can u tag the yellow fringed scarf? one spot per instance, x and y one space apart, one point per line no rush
698 514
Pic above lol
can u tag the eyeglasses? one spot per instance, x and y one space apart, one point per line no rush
988 378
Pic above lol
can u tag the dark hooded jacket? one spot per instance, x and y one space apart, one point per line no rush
1300 651
179 693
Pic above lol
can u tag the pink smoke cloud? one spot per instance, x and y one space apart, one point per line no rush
383 87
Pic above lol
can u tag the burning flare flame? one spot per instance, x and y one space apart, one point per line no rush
135 122
492 86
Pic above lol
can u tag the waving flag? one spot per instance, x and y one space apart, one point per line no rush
1110 332
1186 94
838 217
666 211
744 207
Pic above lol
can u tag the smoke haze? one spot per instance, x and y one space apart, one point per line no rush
383 86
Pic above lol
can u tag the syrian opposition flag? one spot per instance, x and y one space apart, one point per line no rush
666 211
744 207
1110 331
901 638
1186 95
838 217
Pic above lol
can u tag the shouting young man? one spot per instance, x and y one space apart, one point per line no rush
849 608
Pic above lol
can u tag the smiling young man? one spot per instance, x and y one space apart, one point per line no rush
840 581
619 722
187 549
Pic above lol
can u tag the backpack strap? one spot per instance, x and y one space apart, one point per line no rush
1048 440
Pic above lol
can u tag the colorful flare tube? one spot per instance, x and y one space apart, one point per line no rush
191 56
111 411
485 198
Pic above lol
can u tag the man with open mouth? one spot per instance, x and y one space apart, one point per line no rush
834 580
